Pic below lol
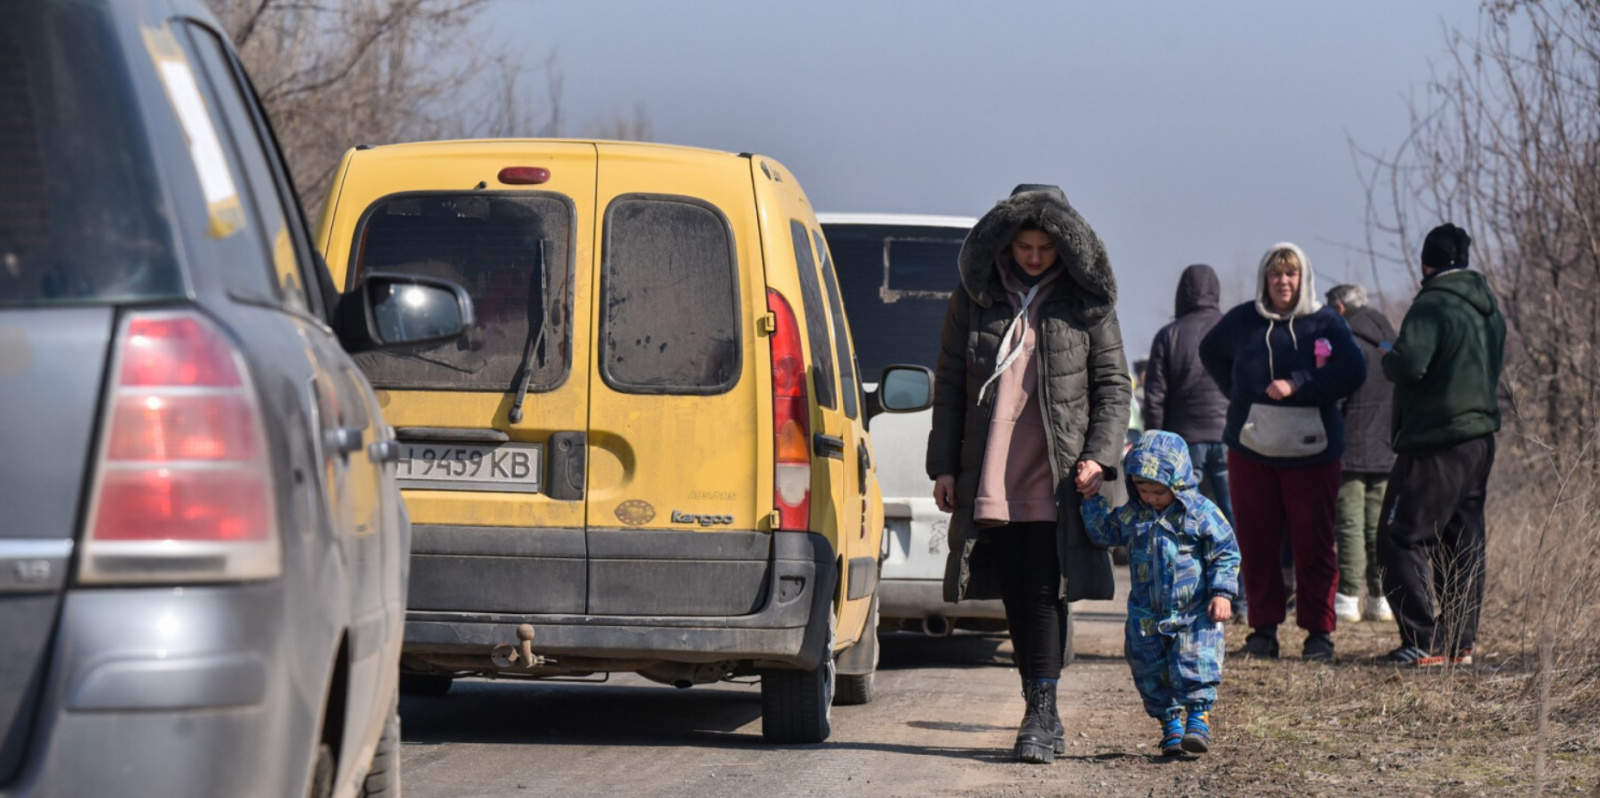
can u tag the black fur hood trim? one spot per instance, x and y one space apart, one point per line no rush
1079 251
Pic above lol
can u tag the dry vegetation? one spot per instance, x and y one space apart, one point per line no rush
336 74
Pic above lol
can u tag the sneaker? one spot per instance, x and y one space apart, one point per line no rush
1260 644
1378 608
1462 657
1411 657
1347 608
1318 647
1197 735
1172 736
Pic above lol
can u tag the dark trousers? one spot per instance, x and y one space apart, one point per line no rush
1270 504
1210 461
1030 588
1431 541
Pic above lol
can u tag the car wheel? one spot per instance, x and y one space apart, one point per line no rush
796 705
383 777
856 688
425 684
322 773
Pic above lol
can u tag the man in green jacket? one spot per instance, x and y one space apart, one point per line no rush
1445 366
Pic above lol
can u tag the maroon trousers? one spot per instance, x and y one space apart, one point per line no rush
1270 502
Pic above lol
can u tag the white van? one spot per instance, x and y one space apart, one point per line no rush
896 272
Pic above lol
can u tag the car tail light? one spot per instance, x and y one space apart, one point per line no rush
183 489
791 420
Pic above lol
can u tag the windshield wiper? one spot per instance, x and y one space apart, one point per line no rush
536 341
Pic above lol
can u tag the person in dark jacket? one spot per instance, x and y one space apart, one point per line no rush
1285 361
1446 372
1030 413
1179 396
1367 460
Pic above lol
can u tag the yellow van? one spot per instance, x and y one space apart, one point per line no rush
650 452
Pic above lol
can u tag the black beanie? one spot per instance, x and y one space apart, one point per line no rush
1446 247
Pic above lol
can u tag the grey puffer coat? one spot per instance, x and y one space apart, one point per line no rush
1084 387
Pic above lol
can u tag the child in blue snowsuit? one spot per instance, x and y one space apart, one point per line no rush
1185 567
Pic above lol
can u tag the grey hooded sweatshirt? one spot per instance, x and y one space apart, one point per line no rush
1083 391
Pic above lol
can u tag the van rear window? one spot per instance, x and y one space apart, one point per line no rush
82 216
513 254
896 281
669 305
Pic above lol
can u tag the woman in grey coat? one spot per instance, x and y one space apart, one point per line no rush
1031 406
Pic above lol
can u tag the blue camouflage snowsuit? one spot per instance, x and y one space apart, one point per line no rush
1180 559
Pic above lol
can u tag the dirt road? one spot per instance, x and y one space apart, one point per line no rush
942 723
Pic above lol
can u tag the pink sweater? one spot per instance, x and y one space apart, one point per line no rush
1016 484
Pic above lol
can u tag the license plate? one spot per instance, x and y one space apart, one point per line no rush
514 467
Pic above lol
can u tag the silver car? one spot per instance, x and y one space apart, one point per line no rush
202 553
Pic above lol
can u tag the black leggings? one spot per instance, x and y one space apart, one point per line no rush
1030 586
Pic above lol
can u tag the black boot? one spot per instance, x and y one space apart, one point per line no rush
1036 739
1058 732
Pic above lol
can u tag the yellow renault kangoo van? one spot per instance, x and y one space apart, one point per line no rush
650 452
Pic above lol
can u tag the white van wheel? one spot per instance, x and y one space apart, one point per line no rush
796 705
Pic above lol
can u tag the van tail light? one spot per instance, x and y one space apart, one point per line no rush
791 421
183 487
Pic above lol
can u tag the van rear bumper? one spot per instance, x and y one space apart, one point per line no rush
789 628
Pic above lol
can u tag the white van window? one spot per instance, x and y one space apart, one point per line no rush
816 318
669 297
896 281
512 252
849 388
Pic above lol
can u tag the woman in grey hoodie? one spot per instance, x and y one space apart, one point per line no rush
1030 412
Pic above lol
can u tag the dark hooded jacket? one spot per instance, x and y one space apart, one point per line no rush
1367 411
1446 364
1179 396
1253 346
1084 390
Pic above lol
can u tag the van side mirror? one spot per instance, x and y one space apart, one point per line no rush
388 310
901 389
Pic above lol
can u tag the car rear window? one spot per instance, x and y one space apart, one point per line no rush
82 216
513 254
669 305
896 281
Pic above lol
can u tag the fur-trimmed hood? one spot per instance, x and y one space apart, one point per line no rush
1308 303
1091 287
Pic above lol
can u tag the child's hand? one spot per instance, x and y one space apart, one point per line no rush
1221 608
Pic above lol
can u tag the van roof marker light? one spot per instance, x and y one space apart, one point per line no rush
523 175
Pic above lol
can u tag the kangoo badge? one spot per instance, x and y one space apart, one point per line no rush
634 512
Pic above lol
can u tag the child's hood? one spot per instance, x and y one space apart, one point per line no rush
1162 457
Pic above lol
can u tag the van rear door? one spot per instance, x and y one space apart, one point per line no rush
679 493
492 426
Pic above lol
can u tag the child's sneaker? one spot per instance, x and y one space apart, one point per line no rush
1172 740
1378 608
1347 608
1197 735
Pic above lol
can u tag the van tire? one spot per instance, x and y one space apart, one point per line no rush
383 777
425 684
856 688
796 705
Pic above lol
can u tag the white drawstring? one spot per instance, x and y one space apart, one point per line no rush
1008 351
1272 367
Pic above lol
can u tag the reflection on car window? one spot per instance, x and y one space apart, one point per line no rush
848 387
669 304
822 379
896 281
511 252
82 217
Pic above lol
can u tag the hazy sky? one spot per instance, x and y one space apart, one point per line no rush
1183 132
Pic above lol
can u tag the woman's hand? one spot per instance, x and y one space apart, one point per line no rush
944 492
1221 608
1280 390
1090 477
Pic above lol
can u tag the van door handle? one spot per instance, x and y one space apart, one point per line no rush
827 446
343 440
